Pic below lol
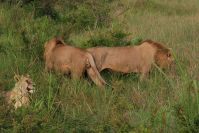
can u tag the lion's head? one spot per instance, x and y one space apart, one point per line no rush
19 95
164 59
24 84
163 56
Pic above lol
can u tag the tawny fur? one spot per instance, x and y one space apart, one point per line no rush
71 60
19 95
129 59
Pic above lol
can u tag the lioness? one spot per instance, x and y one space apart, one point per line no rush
70 60
129 59
19 95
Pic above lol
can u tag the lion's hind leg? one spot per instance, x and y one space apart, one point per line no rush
77 72
64 69
91 73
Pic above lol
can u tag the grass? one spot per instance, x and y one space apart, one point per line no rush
167 102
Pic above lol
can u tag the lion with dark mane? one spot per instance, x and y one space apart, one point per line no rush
127 59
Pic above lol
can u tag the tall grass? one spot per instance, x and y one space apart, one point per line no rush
167 102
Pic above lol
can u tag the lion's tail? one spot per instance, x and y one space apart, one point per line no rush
93 72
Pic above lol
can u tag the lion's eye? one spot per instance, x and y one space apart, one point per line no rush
168 55
28 81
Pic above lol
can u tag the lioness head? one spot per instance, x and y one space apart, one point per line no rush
24 84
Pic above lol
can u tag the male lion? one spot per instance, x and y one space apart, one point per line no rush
129 59
19 95
70 60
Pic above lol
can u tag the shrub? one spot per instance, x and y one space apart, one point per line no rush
86 14
115 38
77 14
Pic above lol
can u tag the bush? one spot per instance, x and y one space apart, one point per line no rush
76 14
115 38
81 17
86 14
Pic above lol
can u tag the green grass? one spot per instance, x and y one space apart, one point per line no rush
167 102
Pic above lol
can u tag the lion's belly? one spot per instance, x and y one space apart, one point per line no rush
120 64
124 68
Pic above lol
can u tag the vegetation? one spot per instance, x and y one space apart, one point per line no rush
167 102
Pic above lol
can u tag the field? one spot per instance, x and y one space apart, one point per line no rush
167 102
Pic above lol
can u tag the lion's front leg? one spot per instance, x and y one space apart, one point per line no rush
144 72
143 76
48 66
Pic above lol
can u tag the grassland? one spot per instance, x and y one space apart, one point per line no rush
167 102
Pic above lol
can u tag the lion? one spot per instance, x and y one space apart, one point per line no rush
19 95
127 59
67 59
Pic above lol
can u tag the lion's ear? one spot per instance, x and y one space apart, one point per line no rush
27 75
60 41
16 77
168 54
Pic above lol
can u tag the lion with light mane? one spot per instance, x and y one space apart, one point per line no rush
19 95
127 59
67 59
